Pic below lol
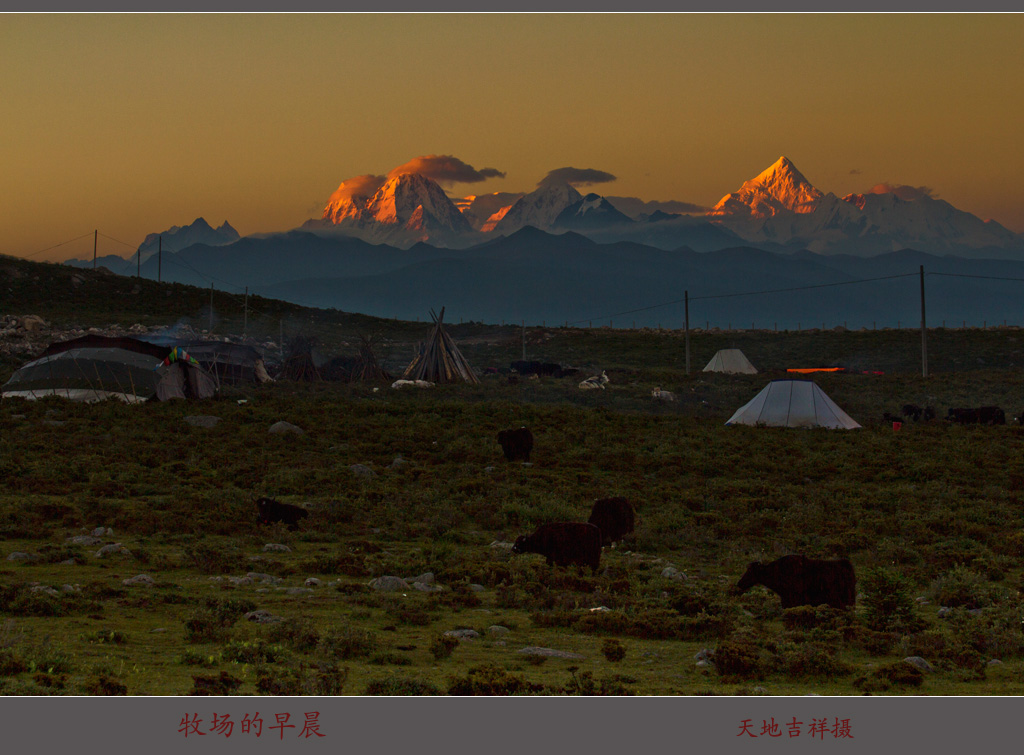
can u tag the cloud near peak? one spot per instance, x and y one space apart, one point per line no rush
446 169
360 186
576 177
904 192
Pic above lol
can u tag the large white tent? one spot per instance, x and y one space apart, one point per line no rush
792 403
731 361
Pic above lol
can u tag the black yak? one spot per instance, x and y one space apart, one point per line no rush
912 411
563 544
802 581
984 415
516 444
271 511
614 517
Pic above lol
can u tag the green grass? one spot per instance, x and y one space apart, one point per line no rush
931 512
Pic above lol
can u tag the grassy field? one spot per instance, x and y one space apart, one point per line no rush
930 516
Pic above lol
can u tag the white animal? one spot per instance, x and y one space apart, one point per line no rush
597 381
660 395
416 383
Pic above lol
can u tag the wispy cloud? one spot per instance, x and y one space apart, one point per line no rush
359 186
903 191
446 169
576 177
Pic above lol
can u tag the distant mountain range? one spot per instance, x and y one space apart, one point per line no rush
171 240
540 277
778 210
554 255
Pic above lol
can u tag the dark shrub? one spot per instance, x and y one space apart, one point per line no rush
104 685
256 651
214 559
895 674
742 660
394 686
813 660
613 650
960 587
346 642
11 663
491 679
225 684
443 646
279 681
888 601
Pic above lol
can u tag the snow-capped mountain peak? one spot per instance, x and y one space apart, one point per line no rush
538 208
779 188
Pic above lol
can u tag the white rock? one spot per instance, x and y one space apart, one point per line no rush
139 579
276 548
286 427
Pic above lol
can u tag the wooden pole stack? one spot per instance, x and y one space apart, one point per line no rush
439 360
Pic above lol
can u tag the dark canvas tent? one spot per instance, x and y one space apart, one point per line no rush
232 363
93 368
439 359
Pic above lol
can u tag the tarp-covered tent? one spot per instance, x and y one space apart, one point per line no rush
233 363
93 368
792 403
731 361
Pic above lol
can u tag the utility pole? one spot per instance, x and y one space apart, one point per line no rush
924 332
524 340
211 306
245 322
95 239
686 310
138 263
159 258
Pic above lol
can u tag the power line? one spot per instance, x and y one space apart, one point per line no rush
84 235
130 246
745 293
984 277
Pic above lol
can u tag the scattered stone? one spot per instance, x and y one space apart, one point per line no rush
19 416
312 582
975 611
299 591
286 427
67 562
994 662
462 634
264 578
671 572
47 589
263 616
101 531
71 588
477 588
919 663
398 463
549 653
362 470
19 556
240 581
489 469
202 420
389 583
704 654
106 550
497 629
84 540
921 600
53 422
759 691
158 630
276 548
600 609
424 587
139 579
499 545
944 611
426 578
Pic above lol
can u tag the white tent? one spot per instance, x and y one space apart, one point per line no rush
731 361
792 403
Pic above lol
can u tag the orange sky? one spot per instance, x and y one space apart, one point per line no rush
134 123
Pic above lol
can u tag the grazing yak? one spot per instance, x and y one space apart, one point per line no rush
802 581
614 517
984 415
516 444
563 544
912 411
271 511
